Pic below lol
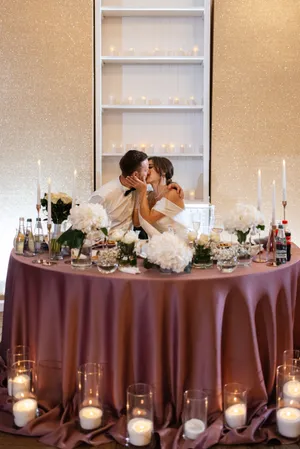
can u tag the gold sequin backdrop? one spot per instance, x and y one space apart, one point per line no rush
46 103
255 105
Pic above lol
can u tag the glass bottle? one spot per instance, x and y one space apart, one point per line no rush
281 246
29 240
20 238
38 235
288 236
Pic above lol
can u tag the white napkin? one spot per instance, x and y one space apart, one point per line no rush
130 270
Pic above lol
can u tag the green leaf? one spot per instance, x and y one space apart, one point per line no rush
72 238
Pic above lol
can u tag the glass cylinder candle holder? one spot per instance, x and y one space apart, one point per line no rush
291 357
195 51
235 405
139 414
13 355
89 378
113 51
194 413
288 400
23 391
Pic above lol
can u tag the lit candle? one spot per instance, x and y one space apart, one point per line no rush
170 100
283 181
19 384
130 100
143 147
192 101
140 431
181 52
172 148
144 100
273 203
288 422
176 100
195 50
112 50
259 190
235 416
24 411
291 390
90 418
192 194
49 201
38 190
74 189
193 428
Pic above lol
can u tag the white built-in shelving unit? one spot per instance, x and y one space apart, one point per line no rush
154 51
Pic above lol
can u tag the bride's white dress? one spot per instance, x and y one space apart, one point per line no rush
174 217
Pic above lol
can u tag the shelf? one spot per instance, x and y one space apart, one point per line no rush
196 60
154 12
157 154
147 108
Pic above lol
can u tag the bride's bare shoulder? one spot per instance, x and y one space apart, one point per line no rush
173 195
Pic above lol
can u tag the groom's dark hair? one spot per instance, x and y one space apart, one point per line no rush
131 162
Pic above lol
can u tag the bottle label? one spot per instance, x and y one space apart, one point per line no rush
20 247
281 256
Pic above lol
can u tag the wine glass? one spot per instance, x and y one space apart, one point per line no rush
196 221
217 226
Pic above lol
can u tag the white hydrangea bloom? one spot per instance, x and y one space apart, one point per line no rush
88 217
242 218
130 237
169 252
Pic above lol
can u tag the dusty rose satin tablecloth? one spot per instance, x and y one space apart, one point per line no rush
175 332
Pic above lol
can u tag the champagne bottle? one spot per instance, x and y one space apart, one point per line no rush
20 238
29 240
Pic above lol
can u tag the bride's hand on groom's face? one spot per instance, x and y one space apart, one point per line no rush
137 183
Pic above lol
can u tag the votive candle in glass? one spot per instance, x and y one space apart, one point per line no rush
235 405
23 391
89 377
139 414
288 400
194 413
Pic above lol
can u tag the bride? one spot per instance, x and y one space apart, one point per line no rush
162 209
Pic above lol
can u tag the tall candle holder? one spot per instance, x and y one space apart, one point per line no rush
49 240
271 246
284 204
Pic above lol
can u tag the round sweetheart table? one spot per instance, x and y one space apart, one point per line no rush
176 332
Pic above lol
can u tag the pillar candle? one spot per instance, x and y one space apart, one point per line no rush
74 189
283 181
49 201
273 203
38 190
259 190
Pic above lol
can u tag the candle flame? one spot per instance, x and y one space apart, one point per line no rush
39 162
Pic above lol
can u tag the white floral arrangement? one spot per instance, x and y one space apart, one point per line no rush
243 217
169 252
128 237
89 221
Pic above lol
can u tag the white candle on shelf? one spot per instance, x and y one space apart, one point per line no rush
140 431
192 194
283 181
38 190
195 51
74 189
130 100
112 50
49 201
90 418
291 390
273 203
170 100
259 190
235 415
19 384
144 100
192 101
288 422
193 428
176 100
24 411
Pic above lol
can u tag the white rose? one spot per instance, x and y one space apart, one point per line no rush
117 235
192 235
130 237
66 199
214 237
203 239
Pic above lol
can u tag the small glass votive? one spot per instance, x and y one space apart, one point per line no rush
143 148
164 148
130 100
151 148
291 357
139 414
171 148
235 405
194 413
192 101
107 260
176 100
226 256
23 391
113 51
195 51
13 355
181 52
111 99
182 148
288 400
170 101
89 378
141 101
192 194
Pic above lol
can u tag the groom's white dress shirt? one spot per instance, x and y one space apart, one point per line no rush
119 207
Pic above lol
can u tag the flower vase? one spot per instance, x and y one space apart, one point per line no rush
56 253
202 257
127 254
81 258
244 255
165 270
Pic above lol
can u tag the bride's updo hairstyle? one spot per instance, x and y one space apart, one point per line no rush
163 167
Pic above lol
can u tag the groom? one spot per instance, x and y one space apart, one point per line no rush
116 196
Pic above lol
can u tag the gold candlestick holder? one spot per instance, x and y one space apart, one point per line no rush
271 246
49 240
38 208
284 204
259 258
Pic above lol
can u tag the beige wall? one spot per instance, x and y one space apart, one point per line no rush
255 110
46 104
